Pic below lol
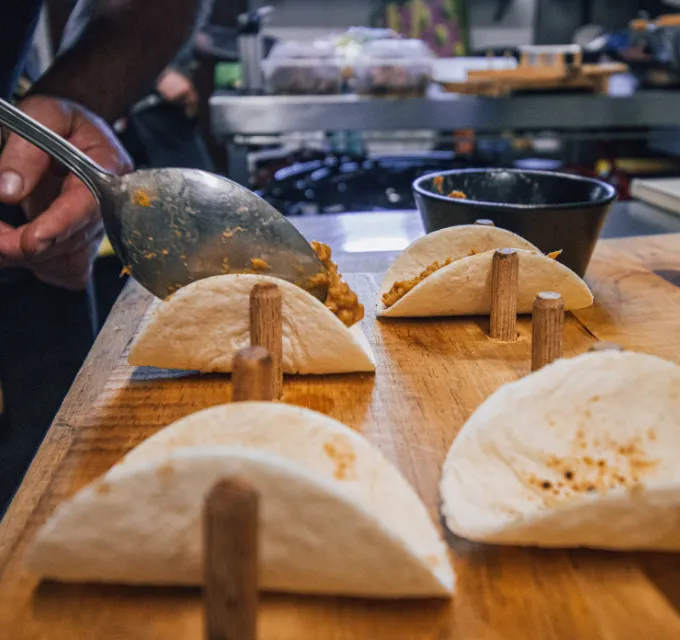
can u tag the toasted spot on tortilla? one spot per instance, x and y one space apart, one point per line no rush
166 469
340 451
620 466
432 560
103 488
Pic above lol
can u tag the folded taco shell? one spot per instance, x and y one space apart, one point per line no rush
203 325
582 453
336 516
464 286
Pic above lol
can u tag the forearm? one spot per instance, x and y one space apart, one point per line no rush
120 52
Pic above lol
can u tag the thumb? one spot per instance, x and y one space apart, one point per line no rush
22 165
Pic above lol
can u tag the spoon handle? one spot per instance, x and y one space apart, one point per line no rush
86 169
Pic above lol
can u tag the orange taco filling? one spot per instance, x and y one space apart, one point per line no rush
257 264
438 184
341 300
402 287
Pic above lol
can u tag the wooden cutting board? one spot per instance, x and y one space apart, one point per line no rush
431 375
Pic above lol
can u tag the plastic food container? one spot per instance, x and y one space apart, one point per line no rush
303 68
351 43
401 68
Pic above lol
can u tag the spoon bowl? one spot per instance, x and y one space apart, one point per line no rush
171 227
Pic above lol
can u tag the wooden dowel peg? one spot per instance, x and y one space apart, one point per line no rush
605 346
266 327
504 285
547 329
252 376
483 222
230 523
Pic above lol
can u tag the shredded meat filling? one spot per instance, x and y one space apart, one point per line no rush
341 300
402 287
258 264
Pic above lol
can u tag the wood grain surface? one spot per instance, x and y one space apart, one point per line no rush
431 375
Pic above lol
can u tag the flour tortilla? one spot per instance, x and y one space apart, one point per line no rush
464 286
203 325
452 242
336 516
582 453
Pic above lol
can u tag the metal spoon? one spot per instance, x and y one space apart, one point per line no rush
171 227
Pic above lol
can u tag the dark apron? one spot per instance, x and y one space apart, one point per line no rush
45 335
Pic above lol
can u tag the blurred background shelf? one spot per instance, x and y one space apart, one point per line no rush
250 115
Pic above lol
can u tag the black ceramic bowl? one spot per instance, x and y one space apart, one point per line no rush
551 210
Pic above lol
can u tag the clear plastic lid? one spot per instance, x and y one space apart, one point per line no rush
301 50
396 51
362 35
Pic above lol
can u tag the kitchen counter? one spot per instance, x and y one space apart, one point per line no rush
536 594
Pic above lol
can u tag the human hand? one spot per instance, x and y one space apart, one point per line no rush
174 87
64 229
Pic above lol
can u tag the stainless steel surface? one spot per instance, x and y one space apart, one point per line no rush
250 53
233 114
171 227
636 218
250 47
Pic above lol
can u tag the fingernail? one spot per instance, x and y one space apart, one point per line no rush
11 184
